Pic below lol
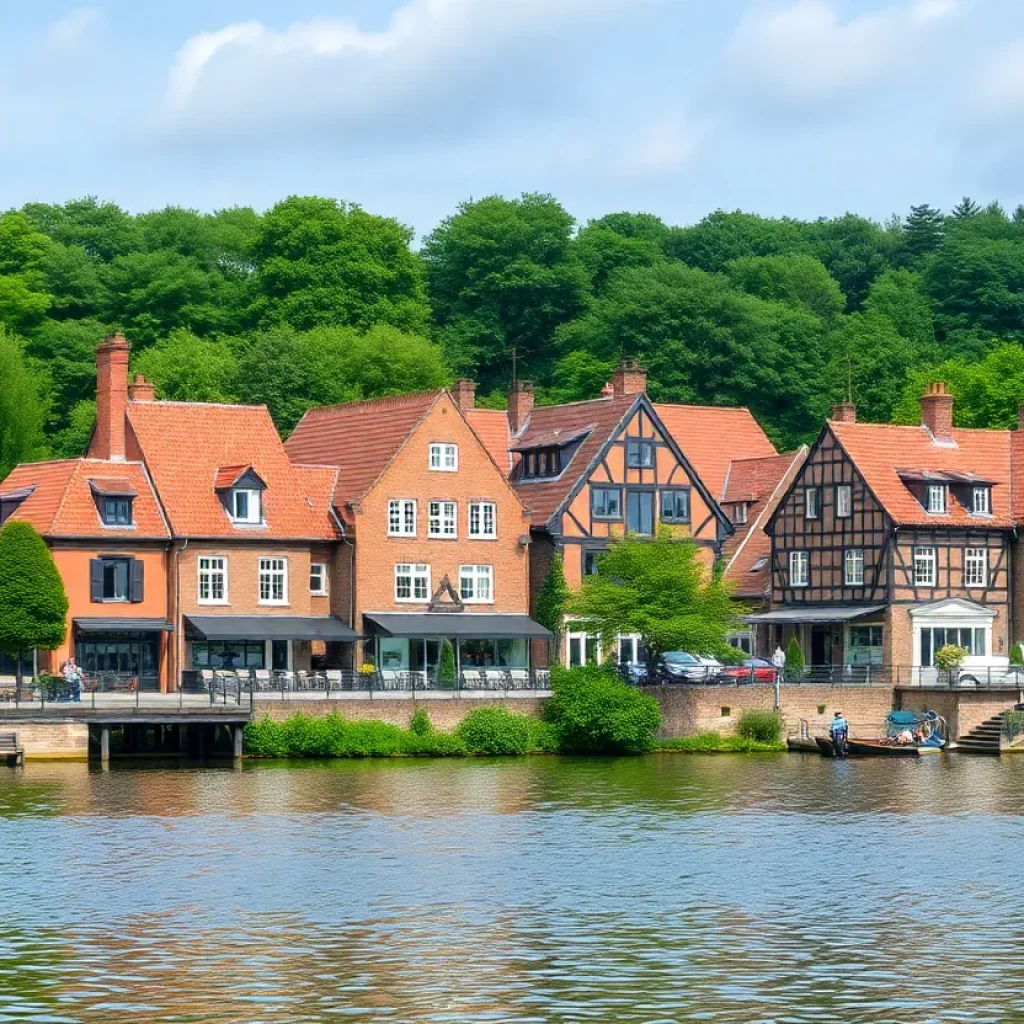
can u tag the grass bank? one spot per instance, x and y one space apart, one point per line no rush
715 743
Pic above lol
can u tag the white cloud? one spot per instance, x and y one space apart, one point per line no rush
69 34
436 64
998 94
802 53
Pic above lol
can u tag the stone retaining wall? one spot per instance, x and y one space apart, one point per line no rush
963 710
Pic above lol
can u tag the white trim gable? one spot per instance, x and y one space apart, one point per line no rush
953 609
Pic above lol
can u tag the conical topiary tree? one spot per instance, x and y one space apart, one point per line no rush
549 608
794 659
1017 656
33 604
446 664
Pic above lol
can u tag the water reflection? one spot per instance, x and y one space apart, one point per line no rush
670 888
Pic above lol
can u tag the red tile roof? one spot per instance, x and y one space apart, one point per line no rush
360 438
1017 474
711 437
227 475
62 503
318 484
491 426
880 450
185 444
762 483
600 415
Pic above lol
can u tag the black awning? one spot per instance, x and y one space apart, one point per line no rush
268 627
458 625
817 613
123 625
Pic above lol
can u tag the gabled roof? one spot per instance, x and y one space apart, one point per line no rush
879 451
185 444
318 484
714 436
762 483
361 438
62 501
601 417
227 476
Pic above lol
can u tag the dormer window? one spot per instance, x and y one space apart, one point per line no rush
739 513
245 506
241 492
981 501
544 462
935 499
117 512
114 501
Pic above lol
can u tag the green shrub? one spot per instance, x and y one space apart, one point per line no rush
433 744
265 738
762 726
446 665
1017 656
420 724
494 731
542 736
593 711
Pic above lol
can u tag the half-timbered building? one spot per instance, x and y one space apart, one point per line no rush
893 541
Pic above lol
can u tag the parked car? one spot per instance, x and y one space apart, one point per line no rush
749 670
681 666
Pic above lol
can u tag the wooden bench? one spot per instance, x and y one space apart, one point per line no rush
10 752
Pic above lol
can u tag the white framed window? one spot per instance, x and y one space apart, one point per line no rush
844 501
412 582
401 517
981 501
317 578
853 567
975 567
483 520
444 457
739 513
245 506
935 499
799 568
273 581
924 567
811 503
476 584
213 579
442 519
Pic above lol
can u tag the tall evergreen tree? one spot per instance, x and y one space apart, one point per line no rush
965 209
33 604
923 231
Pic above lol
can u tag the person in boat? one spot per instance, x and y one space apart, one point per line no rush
839 732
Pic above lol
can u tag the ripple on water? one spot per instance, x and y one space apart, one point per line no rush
659 889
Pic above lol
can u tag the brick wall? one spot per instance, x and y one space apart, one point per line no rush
963 710
688 711
445 714
56 740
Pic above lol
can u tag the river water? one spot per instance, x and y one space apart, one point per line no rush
779 888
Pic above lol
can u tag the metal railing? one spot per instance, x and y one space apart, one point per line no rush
100 691
224 686
731 675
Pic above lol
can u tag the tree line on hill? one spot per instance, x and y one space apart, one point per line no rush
317 301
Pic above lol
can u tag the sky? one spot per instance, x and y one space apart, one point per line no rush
804 108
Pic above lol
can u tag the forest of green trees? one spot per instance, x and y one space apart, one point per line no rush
316 301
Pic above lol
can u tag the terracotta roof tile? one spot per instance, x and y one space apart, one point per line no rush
880 450
491 426
762 482
319 483
186 443
711 437
227 475
360 438
63 503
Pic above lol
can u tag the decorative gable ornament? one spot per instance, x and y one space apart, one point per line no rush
445 598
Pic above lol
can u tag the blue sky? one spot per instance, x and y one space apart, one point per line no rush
677 107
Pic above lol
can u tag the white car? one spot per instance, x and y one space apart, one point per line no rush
994 671
694 668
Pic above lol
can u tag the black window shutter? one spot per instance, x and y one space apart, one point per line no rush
95 579
137 589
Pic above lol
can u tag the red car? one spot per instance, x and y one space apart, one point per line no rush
757 670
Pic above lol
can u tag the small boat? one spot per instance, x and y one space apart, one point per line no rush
907 734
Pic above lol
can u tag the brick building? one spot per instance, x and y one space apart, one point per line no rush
436 538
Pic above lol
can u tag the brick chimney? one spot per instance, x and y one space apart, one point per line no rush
629 378
141 390
464 393
937 411
844 412
111 398
520 405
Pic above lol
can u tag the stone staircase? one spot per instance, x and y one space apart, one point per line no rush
985 739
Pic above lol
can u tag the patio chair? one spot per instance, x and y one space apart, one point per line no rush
205 675
261 679
496 678
333 677
285 679
519 678
472 679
